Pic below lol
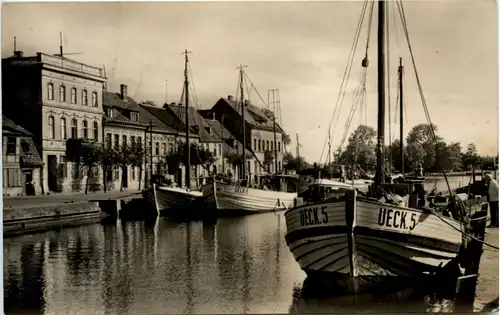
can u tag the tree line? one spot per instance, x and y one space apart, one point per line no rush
422 146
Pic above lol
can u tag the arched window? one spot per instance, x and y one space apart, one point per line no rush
73 95
64 134
52 130
84 97
95 103
96 130
50 91
62 93
74 129
85 129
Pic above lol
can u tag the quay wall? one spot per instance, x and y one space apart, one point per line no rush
35 218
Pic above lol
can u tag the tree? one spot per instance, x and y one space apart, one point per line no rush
110 159
136 159
268 159
84 154
422 136
360 148
470 158
286 139
449 157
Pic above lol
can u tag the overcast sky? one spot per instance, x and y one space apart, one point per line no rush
300 48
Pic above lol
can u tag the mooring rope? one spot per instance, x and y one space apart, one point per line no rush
463 233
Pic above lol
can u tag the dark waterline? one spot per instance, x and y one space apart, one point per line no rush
239 265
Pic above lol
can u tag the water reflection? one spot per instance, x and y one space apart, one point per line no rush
237 265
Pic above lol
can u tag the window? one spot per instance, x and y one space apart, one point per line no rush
108 140
73 95
110 113
220 149
96 130
64 134
279 166
95 103
116 173
51 127
11 145
255 144
124 140
50 91
259 146
255 167
267 145
215 150
170 147
84 97
157 148
62 93
74 128
11 177
164 148
139 141
132 170
117 142
63 167
134 116
132 141
85 129
279 146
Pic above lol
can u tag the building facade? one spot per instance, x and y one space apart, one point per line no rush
128 123
260 132
21 162
64 100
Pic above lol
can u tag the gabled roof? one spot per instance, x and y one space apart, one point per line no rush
124 106
9 127
253 115
195 120
219 129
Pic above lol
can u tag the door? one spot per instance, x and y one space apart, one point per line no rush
52 172
29 188
125 177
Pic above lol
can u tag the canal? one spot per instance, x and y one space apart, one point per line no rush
239 265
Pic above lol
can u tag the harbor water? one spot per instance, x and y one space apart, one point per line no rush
238 265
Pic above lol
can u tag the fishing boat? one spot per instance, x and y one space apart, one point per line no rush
235 199
363 241
178 202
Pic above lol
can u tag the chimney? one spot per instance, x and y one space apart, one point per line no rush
213 116
123 91
230 97
173 104
179 104
18 53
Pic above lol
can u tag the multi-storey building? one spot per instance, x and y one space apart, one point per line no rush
54 98
128 123
260 134
175 120
20 161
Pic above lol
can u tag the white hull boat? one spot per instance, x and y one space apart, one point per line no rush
360 241
174 201
234 200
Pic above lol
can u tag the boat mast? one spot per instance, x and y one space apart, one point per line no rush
401 108
186 91
274 131
298 153
379 175
243 169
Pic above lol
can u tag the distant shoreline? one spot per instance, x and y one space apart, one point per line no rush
458 174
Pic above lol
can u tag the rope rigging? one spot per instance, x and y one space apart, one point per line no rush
345 77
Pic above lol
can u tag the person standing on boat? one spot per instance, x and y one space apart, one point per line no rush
492 199
342 173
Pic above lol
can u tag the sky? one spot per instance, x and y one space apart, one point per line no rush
299 48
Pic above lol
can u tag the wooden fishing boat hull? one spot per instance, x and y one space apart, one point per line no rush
175 202
360 242
235 200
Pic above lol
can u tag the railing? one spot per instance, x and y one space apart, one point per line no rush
71 65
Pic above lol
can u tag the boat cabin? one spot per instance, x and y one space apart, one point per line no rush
322 189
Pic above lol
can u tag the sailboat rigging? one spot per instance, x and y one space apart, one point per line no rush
176 201
365 240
